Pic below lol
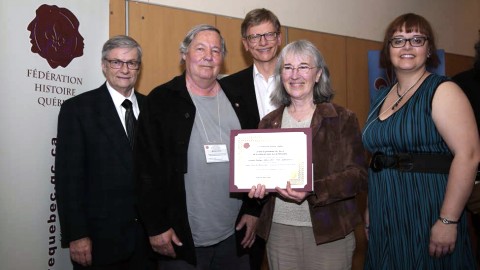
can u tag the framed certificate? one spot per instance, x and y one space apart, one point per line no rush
271 157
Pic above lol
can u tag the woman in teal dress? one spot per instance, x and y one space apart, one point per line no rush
425 151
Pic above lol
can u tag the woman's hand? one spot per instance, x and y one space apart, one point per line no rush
442 239
257 192
290 194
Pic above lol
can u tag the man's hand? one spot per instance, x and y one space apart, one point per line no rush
251 223
162 243
81 251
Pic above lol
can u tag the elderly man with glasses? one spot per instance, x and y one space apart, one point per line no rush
94 167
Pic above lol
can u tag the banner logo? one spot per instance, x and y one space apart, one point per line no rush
54 35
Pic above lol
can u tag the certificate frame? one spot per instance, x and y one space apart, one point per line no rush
264 154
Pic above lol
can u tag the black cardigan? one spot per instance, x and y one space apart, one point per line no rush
161 148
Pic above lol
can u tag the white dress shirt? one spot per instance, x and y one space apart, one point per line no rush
263 90
118 100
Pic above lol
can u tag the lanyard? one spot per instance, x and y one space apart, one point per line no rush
201 119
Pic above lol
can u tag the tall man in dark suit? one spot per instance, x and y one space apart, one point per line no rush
94 167
261 37
469 81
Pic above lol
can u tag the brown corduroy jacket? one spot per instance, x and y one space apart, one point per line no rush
340 173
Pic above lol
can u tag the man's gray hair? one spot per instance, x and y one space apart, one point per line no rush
191 35
121 41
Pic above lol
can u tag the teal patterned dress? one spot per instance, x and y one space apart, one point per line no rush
403 206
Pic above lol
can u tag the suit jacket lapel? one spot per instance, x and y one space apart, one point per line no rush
111 125
139 100
250 95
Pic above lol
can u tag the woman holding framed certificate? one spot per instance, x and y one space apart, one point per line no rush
313 230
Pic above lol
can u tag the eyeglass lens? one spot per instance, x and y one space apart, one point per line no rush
303 69
117 64
270 36
414 42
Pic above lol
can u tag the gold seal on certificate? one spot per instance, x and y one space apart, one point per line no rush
271 157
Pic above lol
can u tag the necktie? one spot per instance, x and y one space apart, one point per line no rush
130 120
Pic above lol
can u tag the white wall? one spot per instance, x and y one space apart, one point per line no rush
456 23
32 91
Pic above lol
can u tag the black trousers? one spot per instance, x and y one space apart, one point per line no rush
141 259
221 256
257 254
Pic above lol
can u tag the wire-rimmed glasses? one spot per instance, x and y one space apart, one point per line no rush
288 70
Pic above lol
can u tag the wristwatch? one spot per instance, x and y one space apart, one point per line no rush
447 221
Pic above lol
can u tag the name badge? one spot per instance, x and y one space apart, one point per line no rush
216 153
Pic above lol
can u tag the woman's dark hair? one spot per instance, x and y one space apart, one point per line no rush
409 22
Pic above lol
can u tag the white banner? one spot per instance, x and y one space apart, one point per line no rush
50 51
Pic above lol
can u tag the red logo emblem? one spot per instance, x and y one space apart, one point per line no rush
54 35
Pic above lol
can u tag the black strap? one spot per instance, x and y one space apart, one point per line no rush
409 162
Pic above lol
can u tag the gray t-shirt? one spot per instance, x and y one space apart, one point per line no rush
211 209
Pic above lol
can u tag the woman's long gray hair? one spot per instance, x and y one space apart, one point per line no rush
322 90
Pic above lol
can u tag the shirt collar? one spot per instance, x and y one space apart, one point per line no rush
257 73
119 98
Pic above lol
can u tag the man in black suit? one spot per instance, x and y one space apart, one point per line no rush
261 37
469 81
94 167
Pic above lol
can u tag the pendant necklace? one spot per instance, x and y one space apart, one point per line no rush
393 106
400 97
398 94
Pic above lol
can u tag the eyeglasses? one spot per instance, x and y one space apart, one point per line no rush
269 36
414 42
117 64
302 70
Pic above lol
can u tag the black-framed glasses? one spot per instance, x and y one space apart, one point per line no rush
399 42
117 64
269 36
287 70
